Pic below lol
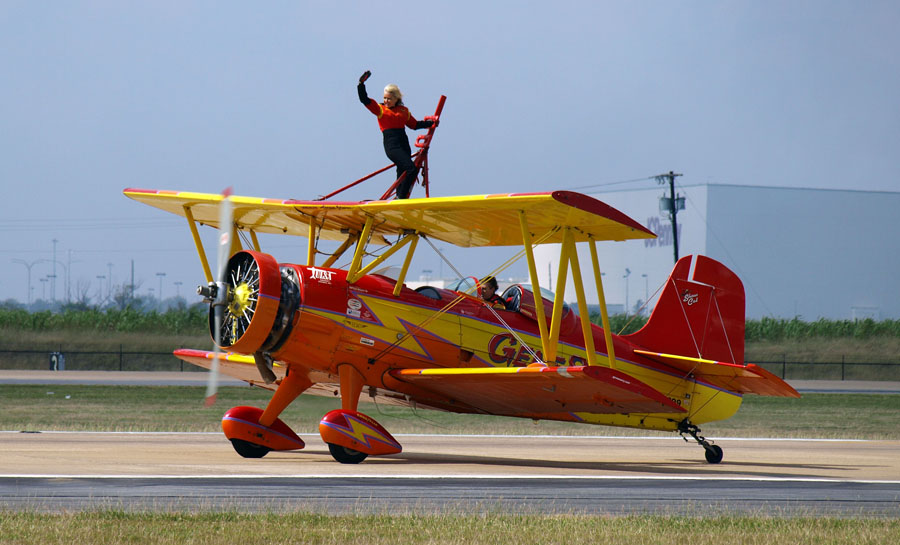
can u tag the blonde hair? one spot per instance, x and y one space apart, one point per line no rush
394 91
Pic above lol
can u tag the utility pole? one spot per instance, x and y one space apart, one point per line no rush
671 205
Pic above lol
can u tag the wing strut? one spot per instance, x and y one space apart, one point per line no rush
357 271
604 313
568 257
532 273
198 243
311 246
583 312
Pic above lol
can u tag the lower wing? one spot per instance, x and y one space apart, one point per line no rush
536 390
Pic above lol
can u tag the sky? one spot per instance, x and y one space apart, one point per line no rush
99 96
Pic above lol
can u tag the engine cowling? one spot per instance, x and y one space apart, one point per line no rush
261 301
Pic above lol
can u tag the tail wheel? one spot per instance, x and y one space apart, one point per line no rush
254 289
714 454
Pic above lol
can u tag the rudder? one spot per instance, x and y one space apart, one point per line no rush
699 314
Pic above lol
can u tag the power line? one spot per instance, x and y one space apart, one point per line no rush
81 224
607 184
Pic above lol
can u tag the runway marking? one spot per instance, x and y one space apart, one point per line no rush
450 477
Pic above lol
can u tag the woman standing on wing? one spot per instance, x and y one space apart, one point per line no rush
393 118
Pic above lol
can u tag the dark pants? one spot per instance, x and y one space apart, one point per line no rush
396 147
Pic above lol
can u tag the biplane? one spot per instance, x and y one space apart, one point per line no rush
358 331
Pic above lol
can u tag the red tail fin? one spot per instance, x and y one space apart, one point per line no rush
699 314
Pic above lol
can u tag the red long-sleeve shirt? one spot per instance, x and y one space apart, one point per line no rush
391 118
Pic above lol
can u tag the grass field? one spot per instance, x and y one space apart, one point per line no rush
180 408
173 528
160 408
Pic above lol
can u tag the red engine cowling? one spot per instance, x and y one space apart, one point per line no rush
262 299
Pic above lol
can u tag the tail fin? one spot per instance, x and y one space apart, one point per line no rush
699 314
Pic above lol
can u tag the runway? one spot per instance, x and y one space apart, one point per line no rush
523 474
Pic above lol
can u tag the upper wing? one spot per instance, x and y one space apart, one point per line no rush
536 390
483 220
744 379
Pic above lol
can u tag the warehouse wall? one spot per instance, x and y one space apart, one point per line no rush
800 252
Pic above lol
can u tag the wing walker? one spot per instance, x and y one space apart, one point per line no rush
358 331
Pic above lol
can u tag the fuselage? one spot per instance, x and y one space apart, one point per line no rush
366 326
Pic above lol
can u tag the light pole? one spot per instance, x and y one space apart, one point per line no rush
178 284
627 274
109 280
100 278
53 276
44 288
646 291
161 275
28 265
53 284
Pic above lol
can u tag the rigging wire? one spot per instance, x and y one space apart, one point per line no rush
640 310
607 184
724 247
412 406
462 297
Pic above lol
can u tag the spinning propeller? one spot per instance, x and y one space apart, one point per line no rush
246 310
218 293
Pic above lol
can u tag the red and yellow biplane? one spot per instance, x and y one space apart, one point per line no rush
360 331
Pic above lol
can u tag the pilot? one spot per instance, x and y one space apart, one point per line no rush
393 118
489 289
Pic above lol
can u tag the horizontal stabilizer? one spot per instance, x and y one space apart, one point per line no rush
536 389
744 379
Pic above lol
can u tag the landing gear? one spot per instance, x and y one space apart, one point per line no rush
248 449
346 455
714 453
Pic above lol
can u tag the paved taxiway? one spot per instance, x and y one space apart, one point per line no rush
73 470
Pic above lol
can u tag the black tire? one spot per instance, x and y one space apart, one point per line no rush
248 449
346 455
714 454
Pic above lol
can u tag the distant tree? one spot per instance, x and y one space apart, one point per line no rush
11 304
124 298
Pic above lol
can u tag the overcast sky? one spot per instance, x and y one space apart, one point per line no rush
100 96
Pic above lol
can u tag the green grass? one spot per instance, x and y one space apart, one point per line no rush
180 408
116 527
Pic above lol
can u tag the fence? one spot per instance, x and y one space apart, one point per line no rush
842 370
122 360
77 360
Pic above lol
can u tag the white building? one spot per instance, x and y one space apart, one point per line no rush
808 253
